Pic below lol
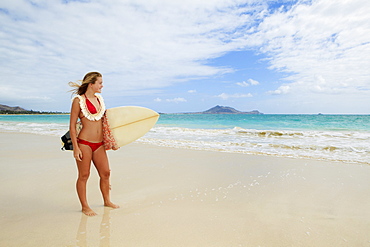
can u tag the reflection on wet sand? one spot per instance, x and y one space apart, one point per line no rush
105 228
104 240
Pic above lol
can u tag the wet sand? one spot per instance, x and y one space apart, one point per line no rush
180 197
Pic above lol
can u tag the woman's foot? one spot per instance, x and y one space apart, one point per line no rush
111 205
88 211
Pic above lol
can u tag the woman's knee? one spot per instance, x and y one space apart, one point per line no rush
104 174
84 176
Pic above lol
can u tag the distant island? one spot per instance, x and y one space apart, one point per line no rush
224 110
4 109
227 110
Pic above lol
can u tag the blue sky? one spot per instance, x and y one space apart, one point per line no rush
189 55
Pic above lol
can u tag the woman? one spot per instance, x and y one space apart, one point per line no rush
88 144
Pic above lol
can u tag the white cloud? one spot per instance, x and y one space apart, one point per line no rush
226 96
284 89
253 82
242 84
176 100
142 46
322 45
247 84
137 45
192 91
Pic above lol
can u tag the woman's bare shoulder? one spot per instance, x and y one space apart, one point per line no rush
76 102
76 99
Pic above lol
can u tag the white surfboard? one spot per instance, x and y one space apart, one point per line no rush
129 123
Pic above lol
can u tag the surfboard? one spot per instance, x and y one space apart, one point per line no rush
129 123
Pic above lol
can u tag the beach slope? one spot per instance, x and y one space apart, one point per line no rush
180 197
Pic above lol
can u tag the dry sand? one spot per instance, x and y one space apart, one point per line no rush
179 197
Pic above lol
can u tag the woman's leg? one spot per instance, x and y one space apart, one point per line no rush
83 175
101 163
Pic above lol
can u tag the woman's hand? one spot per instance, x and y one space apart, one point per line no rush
77 154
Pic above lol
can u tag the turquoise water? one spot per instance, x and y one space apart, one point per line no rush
220 121
270 122
60 119
344 138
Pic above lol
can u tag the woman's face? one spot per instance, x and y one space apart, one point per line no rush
98 85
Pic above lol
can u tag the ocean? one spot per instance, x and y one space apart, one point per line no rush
344 138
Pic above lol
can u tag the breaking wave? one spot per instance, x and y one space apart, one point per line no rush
344 146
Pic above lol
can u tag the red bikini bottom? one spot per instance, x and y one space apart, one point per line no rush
93 145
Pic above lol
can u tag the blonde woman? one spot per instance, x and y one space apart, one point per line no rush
88 144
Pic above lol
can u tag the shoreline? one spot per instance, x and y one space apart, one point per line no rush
36 114
180 197
342 139
303 158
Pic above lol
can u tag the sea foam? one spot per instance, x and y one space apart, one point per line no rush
314 138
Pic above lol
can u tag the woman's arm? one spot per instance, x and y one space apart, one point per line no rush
75 111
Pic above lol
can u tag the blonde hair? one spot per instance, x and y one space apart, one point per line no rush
80 87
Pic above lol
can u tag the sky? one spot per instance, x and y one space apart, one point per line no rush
278 57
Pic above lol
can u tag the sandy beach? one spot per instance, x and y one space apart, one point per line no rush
180 197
